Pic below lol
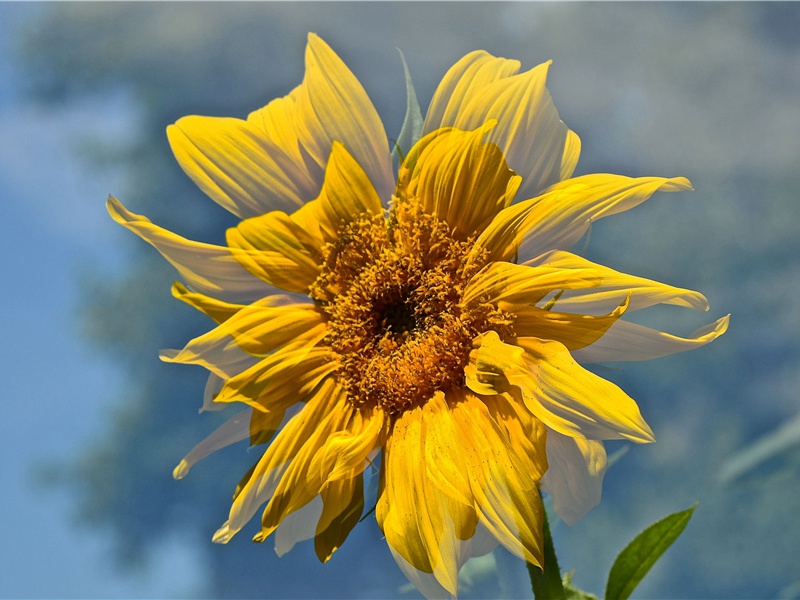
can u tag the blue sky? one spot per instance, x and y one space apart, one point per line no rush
57 390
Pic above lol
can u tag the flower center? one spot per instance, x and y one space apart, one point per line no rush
392 292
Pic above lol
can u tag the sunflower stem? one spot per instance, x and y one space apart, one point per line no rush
546 583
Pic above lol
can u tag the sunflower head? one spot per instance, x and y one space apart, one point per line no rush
433 325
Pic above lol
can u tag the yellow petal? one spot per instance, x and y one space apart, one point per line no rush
626 341
347 450
264 425
256 329
275 248
529 132
563 213
463 81
520 284
282 378
572 330
206 268
260 483
615 287
219 310
420 522
333 106
299 485
346 194
461 179
502 477
343 504
559 392
278 122
232 162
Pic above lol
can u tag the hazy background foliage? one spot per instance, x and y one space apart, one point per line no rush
707 91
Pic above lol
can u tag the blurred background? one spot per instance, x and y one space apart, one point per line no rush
94 422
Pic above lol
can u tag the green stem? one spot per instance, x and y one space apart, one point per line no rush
546 583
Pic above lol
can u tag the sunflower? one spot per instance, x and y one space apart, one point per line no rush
429 325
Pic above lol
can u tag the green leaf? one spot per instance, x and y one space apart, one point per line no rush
412 124
640 555
547 583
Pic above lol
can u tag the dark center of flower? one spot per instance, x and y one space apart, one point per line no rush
392 292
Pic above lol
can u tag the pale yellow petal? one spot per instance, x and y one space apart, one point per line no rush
235 429
256 329
332 106
559 392
615 288
565 211
574 479
626 341
278 122
464 80
232 162
221 355
206 268
299 485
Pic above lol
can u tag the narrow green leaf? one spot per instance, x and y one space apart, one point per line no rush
640 555
412 124
547 584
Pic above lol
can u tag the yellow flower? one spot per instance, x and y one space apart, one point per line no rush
444 333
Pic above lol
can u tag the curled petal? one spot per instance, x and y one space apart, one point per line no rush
559 392
614 287
626 341
572 330
532 137
561 215
347 450
464 80
206 268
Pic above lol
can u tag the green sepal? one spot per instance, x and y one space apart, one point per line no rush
411 130
640 555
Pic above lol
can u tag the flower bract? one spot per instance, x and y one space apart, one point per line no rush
427 327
